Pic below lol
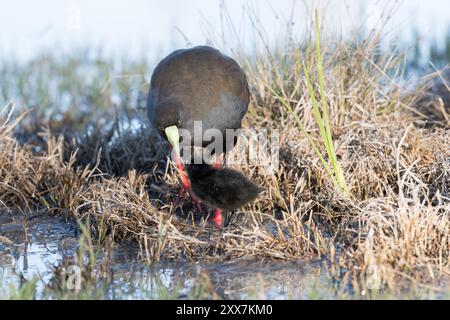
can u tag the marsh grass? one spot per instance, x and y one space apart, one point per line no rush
97 165
321 117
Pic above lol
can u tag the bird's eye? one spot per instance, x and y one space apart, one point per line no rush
217 189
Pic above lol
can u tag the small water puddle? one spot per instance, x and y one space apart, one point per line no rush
33 246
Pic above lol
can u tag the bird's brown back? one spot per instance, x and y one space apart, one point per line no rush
198 84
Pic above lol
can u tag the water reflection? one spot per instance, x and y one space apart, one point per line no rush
40 243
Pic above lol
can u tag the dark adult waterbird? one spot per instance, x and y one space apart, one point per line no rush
202 84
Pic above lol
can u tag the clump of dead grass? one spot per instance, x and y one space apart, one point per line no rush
120 206
402 223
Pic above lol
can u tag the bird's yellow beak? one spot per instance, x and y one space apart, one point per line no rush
174 138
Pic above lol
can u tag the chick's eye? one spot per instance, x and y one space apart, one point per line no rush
217 189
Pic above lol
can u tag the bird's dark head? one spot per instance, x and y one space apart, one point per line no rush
167 115
199 171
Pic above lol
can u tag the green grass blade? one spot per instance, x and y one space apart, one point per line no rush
303 130
321 76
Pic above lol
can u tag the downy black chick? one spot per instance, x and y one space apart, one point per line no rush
223 188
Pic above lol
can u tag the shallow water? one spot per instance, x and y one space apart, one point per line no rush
41 242
31 248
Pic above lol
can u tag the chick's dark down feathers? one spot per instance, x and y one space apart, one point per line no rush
225 188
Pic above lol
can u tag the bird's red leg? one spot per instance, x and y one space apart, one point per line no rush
185 183
217 218
218 162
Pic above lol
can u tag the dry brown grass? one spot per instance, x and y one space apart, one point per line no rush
397 219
